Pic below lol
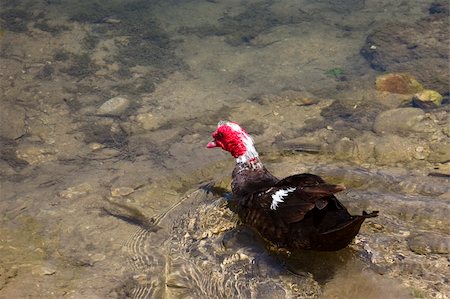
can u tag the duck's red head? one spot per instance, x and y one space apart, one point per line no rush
232 138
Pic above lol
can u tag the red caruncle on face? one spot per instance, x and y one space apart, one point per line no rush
229 140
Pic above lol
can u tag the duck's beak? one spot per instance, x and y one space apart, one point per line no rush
212 144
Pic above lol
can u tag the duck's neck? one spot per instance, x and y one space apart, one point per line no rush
250 159
250 175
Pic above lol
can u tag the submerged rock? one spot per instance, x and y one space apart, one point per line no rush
427 99
402 121
301 98
439 153
439 8
35 155
401 83
114 107
420 49
429 242
76 191
344 149
392 100
393 149
145 122
12 121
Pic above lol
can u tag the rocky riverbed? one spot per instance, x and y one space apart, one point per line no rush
107 190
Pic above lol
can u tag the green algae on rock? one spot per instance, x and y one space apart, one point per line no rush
427 98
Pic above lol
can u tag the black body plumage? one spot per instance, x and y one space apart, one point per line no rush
309 217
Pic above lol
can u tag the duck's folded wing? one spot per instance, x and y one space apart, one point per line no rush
313 188
294 196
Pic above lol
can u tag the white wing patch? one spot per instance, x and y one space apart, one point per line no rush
279 195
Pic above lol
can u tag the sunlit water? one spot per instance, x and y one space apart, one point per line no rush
129 203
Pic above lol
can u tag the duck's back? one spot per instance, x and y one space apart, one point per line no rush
299 211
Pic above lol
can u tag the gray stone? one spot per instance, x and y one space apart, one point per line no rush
429 242
148 121
365 145
142 122
12 121
403 121
439 153
344 149
114 107
392 149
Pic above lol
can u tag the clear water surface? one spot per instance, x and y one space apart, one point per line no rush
121 199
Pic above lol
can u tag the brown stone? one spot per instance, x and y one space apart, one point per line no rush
401 83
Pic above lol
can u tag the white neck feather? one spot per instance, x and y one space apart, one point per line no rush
250 155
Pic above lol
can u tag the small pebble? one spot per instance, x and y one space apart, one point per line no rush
113 107
95 146
44 270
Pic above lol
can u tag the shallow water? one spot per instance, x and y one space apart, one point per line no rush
129 203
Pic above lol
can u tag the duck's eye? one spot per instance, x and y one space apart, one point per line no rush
219 135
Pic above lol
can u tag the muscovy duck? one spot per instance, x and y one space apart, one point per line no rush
297 212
